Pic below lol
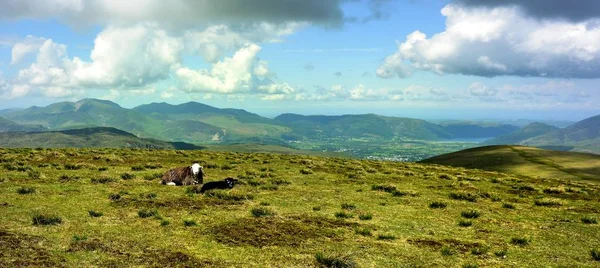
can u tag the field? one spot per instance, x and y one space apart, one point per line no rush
105 207
395 149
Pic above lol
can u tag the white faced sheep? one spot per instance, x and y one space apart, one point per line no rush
184 175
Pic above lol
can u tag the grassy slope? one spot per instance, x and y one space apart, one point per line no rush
88 137
525 161
227 235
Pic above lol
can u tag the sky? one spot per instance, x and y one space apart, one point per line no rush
431 59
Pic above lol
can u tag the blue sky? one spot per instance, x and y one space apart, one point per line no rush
428 59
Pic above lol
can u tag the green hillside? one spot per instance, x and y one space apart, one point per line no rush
10 126
87 113
106 208
525 161
98 137
519 136
199 123
583 136
218 124
474 130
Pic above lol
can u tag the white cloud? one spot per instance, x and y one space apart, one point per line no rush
236 74
130 56
24 48
481 90
500 41
360 93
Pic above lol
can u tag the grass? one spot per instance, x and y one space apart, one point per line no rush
508 206
26 190
46 219
218 228
343 215
95 214
262 212
364 231
471 214
464 196
595 254
365 216
464 223
386 237
589 220
520 241
437 204
547 202
347 206
147 213
334 261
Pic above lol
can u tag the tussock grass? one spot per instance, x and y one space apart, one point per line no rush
365 216
595 253
95 214
348 206
127 176
589 220
437 204
520 241
547 202
471 214
364 231
386 237
147 213
334 261
26 190
464 223
189 223
46 219
343 215
463 196
508 206
262 212
102 180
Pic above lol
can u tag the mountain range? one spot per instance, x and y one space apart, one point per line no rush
199 123
583 136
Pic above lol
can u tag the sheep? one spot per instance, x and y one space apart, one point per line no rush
184 175
227 183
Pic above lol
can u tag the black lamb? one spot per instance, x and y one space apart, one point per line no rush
224 184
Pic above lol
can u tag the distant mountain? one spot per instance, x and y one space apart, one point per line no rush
86 113
98 137
526 161
10 126
347 126
370 125
473 130
199 123
583 136
521 135
217 124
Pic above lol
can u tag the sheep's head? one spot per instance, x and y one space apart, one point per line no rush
198 173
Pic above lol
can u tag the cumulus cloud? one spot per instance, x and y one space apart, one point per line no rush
236 74
546 9
25 47
500 41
